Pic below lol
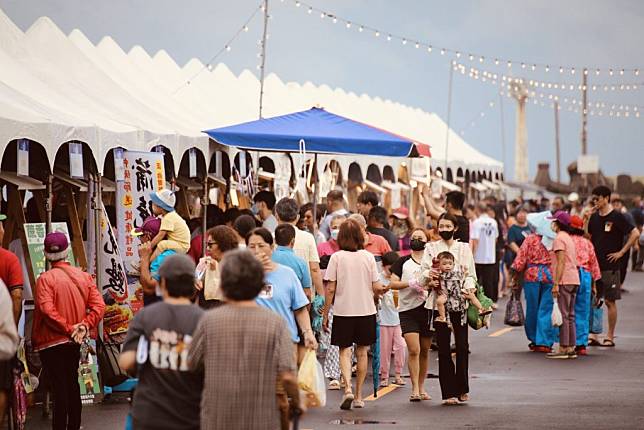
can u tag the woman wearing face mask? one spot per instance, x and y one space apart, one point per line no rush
332 358
402 228
453 380
414 318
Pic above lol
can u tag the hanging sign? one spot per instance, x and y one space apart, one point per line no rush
76 160
119 167
282 177
242 164
144 173
192 162
218 165
23 157
36 233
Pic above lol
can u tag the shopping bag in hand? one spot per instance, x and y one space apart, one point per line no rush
557 319
514 311
310 379
596 316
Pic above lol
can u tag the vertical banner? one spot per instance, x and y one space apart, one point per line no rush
121 299
23 157
218 165
119 167
192 162
143 173
76 160
36 233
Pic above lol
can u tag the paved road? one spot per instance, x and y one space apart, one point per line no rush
510 387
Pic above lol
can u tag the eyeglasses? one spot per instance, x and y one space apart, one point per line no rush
210 243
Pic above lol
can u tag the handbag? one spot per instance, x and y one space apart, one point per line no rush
107 355
475 320
514 311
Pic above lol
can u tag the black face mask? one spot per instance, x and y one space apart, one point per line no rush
417 244
446 234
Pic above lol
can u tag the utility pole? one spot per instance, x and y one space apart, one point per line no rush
449 113
262 65
584 113
557 148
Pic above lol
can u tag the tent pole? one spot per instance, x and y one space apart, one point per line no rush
315 189
204 209
449 113
49 202
98 214
263 59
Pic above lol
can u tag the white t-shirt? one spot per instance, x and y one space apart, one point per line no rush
305 246
485 230
270 223
407 268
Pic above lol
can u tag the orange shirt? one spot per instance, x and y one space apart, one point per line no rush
377 245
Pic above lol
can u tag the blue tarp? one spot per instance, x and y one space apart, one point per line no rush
323 132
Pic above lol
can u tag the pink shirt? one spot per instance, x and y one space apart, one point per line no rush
563 242
355 273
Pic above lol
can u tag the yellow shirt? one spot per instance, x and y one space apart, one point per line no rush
176 228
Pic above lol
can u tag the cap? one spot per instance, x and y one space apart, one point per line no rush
576 222
164 198
151 225
561 216
55 242
401 213
177 266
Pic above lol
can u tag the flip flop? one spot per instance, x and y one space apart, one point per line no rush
593 342
399 381
607 343
358 404
425 396
347 400
415 398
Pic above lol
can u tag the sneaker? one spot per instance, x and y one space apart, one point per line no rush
581 350
540 348
572 355
559 354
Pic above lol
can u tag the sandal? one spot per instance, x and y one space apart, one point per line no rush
384 383
425 396
593 342
347 400
334 385
358 404
415 398
451 401
607 343
399 381
463 398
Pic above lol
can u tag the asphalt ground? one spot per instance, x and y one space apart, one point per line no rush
510 387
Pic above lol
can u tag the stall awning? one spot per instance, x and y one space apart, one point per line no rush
322 132
478 186
490 185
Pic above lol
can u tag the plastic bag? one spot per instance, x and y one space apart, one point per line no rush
557 319
310 379
514 311
596 318
475 320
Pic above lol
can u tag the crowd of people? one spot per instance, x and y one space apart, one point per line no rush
223 329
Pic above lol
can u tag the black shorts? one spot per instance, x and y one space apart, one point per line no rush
609 285
349 330
6 376
416 320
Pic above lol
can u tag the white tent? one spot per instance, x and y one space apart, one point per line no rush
56 88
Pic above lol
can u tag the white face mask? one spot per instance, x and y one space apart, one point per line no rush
334 234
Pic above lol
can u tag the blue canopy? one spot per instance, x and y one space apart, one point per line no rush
323 132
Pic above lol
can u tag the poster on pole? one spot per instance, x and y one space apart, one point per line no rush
144 172
36 233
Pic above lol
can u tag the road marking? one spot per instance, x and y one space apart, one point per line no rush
501 332
381 392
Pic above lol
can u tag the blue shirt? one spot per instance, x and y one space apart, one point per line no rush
287 257
283 295
156 263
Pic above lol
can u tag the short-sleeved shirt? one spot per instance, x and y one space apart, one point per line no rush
377 245
486 231
176 228
10 269
563 242
283 294
389 236
517 234
463 232
168 393
355 273
241 351
270 223
286 256
607 235
406 268
305 246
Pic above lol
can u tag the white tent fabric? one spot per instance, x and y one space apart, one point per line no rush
56 88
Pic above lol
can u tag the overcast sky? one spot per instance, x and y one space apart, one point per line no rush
303 47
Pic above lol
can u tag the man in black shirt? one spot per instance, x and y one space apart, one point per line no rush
376 225
454 201
608 228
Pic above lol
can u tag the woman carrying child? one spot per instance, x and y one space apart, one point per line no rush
453 380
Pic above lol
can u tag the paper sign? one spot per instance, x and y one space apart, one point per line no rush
119 167
242 164
192 162
23 157
76 160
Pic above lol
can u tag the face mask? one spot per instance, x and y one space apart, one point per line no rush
254 209
334 234
417 244
446 234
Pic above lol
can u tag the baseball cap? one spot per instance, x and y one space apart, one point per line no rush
164 198
401 213
151 225
561 216
576 222
55 242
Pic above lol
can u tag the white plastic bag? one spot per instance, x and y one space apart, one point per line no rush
557 319
310 379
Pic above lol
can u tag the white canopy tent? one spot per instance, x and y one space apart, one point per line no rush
56 88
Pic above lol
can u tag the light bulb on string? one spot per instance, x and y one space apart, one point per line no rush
534 67
210 67
621 72
246 28
310 11
228 48
322 15
610 72
572 71
496 61
523 65
404 41
637 72
388 37
458 54
361 29
561 69
597 72
429 48
335 20
547 68
443 51
297 4
417 45
509 63
348 24
377 34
